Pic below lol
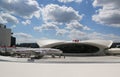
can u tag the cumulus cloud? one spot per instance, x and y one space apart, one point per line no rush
27 22
2 20
76 25
109 13
86 28
96 35
92 36
54 16
61 31
6 17
23 8
13 26
60 14
46 26
113 37
76 34
108 2
23 35
66 1
24 38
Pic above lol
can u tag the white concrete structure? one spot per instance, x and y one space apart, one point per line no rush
89 47
113 51
5 36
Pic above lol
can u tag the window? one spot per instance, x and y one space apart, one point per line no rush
77 48
115 45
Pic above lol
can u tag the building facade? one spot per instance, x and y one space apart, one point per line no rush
88 47
5 36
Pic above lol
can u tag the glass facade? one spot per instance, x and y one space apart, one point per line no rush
76 48
115 45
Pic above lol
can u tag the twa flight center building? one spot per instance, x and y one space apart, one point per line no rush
85 48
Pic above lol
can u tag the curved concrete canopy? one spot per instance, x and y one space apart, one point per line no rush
42 43
104 43
50 43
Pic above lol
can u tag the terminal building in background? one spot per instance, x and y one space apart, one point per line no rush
6 38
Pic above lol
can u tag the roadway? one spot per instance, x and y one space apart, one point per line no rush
82 59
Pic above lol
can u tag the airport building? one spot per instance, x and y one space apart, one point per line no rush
88 47
6 38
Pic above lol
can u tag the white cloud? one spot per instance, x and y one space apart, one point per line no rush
79 35
76 34
108 2
66 1
37 14
13 26
109 14
60 14
96 35
23 35
5 18
24 38
54 16
76 25
46 26
23 8
86 28
61 31
27 22
2 20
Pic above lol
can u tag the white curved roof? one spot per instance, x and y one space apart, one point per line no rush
50 43
47 42
104 43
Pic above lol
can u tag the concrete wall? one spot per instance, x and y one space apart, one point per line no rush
5 36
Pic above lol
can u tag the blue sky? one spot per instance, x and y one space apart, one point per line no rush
32 20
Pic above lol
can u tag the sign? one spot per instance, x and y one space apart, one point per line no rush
76 41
